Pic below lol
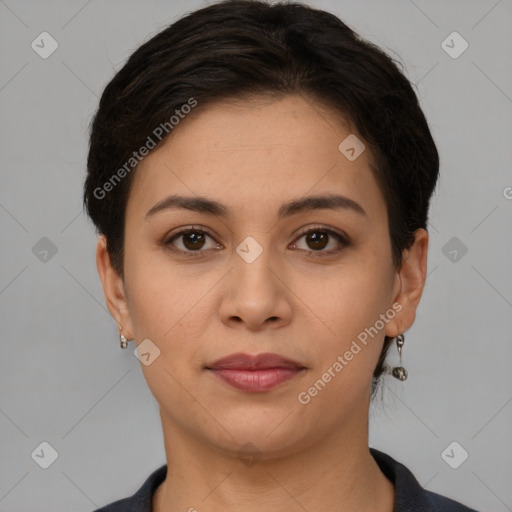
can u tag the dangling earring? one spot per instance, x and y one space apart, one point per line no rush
399 372
123 340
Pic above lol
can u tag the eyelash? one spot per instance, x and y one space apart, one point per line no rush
342 239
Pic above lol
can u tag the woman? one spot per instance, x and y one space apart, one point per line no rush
260 179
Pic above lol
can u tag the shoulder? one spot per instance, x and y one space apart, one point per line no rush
141 500
409 495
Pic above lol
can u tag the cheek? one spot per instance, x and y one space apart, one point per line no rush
351 305
163 306
355 295
168 305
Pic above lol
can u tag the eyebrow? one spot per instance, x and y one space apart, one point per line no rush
210 207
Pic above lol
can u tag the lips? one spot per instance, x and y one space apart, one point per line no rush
248 362
262 372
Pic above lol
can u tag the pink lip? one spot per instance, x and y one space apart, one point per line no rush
255 373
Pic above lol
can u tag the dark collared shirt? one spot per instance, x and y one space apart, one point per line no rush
409 495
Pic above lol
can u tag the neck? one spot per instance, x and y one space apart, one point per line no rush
335 473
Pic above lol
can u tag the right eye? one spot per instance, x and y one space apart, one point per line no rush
192 240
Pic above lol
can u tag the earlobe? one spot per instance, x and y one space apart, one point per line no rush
113 288
411 277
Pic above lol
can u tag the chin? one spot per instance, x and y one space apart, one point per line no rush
272 431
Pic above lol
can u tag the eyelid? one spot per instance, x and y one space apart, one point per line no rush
322 227
167 241
184 229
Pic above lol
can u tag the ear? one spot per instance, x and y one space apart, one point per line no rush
409 284
113 288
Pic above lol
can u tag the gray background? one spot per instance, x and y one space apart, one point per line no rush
64 379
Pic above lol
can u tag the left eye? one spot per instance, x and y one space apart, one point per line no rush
318 238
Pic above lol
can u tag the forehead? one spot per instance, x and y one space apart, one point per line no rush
256 153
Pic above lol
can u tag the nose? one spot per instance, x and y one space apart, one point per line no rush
255 295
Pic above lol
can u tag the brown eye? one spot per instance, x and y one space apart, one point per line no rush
317 239
194 242
191 242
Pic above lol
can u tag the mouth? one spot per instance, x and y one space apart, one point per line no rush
262 372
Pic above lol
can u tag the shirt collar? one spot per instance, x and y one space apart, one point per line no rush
409 495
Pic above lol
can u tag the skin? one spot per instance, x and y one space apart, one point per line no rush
253 156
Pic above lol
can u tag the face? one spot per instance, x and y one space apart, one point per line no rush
264 271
